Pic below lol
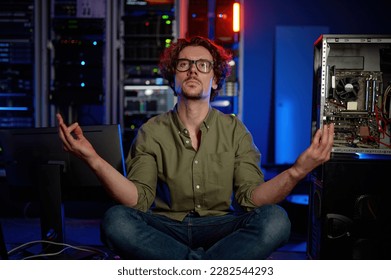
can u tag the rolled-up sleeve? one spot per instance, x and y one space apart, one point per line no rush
142 170
248 174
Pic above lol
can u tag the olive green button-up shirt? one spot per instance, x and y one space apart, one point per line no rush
173 179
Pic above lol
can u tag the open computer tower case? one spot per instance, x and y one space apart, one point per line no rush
352 88
349 212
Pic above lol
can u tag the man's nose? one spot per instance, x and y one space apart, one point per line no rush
193 67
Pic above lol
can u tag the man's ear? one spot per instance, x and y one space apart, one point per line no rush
214 83
172 85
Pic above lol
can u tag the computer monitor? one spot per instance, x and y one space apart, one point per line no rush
23 149
34 159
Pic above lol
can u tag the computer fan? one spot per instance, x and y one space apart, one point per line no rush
347 88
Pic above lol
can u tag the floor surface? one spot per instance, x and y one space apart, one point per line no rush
22 237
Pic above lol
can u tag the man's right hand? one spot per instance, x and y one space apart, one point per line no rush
74 141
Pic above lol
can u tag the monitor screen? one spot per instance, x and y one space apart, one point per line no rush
23 151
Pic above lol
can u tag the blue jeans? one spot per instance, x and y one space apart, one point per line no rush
133 234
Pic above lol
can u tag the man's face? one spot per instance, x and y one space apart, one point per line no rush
194 84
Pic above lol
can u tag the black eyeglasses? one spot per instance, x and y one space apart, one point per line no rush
203 65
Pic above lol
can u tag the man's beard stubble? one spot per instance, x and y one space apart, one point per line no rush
188 96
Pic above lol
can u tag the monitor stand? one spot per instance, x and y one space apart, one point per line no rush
3 247
51 205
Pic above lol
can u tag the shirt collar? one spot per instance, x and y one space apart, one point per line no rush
207 123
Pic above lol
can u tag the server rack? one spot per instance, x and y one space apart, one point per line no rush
145 30
82 66
18 35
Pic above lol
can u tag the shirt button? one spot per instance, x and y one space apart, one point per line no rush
187 141
196 161
198 186
198 206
